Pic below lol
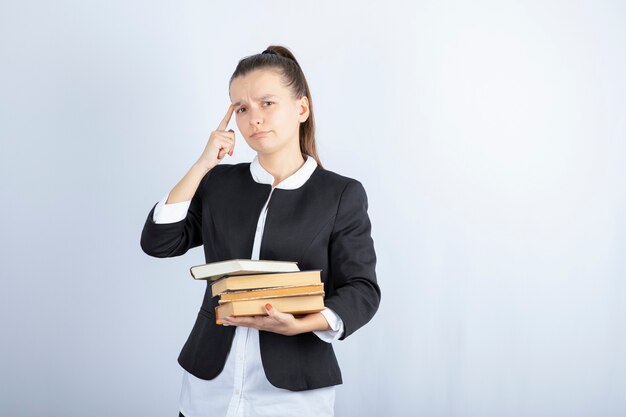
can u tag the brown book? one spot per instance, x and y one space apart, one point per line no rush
272 292
299 304
256 281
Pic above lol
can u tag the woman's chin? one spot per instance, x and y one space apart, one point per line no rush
263 147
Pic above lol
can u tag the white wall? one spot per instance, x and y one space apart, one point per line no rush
490 137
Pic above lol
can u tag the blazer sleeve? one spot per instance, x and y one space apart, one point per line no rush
352 260
165 240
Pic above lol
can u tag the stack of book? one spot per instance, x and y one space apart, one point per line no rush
245 286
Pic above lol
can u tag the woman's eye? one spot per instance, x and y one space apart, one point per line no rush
242 108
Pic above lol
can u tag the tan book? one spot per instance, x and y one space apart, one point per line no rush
216 270
256 281
272 292
299 304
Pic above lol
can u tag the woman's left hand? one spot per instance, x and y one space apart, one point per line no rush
276 321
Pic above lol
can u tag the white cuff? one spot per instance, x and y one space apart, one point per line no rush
170 213
336 326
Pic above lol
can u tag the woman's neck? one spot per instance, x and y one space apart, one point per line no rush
280 165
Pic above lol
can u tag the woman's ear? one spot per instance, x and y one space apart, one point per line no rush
303 109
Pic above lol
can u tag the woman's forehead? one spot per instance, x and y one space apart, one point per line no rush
257 85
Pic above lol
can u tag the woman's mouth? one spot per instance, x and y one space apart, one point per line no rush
259 134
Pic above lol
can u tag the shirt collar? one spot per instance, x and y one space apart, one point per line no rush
295 180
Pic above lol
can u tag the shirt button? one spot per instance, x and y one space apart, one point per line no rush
236 392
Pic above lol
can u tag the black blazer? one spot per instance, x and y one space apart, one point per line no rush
322 225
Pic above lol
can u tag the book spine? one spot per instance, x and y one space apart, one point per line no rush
263 297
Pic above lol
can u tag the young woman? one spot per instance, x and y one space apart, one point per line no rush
281 206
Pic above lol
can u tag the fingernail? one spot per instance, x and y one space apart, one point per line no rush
218 322
230 153
268 306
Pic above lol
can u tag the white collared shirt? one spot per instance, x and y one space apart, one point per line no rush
242 389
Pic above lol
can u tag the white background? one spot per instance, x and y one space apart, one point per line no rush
491 140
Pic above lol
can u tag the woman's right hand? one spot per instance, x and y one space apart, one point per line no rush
221 142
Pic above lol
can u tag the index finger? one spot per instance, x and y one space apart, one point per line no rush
226 119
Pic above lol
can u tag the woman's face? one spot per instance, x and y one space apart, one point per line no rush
262 104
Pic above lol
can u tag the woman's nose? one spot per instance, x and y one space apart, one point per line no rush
255 118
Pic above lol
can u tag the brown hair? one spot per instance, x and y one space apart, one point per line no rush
280 58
